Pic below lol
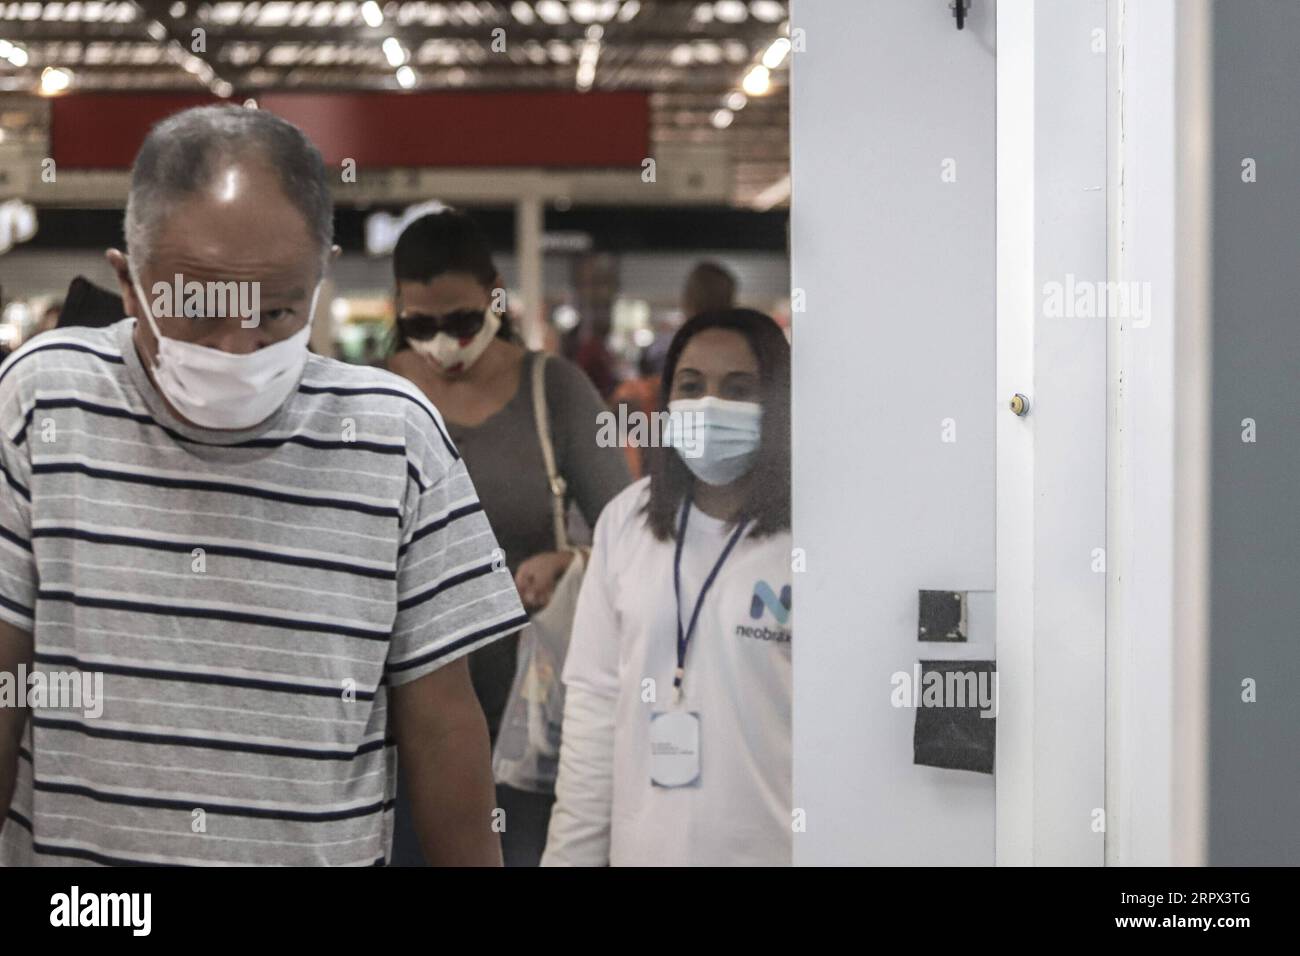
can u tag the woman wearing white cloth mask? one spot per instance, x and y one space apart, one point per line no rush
677 721
454 343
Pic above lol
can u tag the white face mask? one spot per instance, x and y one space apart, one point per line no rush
717 439
217 389
450 355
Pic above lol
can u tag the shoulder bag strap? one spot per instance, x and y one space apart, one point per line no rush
553 477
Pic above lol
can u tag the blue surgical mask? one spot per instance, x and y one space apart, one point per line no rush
717 439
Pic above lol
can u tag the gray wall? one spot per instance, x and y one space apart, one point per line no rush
898 267
1254 768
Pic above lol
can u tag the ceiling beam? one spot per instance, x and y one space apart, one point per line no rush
176 32
509 76
615 34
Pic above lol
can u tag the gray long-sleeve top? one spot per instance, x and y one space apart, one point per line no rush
505 462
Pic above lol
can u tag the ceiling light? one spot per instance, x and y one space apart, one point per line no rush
54 80
721 119
371 13
584 11
730 11
405 77
592 11
757 81
553 12
736 100
707 52
587 60
393 50
522 12
776 53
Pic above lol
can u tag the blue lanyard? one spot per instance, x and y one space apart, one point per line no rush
684 637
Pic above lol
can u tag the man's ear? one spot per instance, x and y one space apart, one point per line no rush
121 267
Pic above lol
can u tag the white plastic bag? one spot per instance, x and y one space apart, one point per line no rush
527 752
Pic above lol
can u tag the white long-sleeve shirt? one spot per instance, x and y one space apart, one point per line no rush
623 653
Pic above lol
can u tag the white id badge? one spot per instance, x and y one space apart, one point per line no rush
674 748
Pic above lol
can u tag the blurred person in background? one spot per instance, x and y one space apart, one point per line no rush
454 341
251 548
709 288
595 283
640 395
676 747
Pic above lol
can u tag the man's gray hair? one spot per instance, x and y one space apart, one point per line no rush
183 152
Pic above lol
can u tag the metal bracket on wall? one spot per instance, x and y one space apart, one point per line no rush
959 10
942 616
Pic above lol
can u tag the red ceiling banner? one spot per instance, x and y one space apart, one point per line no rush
544 128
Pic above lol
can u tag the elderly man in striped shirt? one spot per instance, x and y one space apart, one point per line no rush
277 562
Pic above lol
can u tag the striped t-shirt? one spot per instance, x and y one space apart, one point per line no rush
247 596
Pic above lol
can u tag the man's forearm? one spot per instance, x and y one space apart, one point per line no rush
442 747
453 798
8 773
15 650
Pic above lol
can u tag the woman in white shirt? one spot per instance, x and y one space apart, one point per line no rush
677 719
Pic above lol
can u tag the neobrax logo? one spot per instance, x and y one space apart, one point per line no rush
765 597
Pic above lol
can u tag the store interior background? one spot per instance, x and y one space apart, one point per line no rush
591 242
904 335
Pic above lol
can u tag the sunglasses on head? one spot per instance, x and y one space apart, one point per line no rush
459 324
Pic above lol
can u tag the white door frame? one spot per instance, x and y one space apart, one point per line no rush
1157 613
1139 607
1141 675
1051 496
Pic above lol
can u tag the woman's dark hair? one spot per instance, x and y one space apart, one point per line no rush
439 243
768 505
